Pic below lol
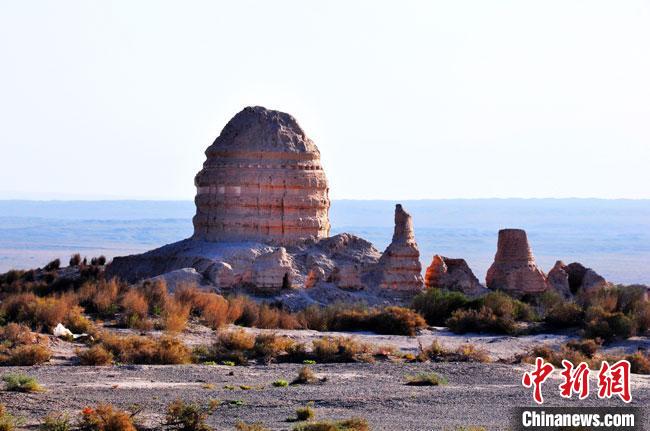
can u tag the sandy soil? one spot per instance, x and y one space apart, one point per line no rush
477 394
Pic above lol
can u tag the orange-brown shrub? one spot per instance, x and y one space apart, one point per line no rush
639 363
101 296
95 355
27 355
37 312
268 347
274 318
105 417
134 349
156 294
136 309
341 349
18 346
210 307
175 316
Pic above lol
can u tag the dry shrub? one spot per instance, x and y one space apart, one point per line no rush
28 355
136 309
464 353
237 339
19 346
101 296
269 346
587 347
96 355
210 307
156 294
14 334
305 375
353 424
175 316
105 417
470 353
41 313
133 349
184 416
639 363
236 307
274 318
341 349
316 318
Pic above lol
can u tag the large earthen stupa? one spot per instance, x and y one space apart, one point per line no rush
262 181
262 227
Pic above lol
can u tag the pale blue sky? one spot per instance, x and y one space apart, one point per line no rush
405 99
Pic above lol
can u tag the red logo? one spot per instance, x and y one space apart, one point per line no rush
537 377
612 380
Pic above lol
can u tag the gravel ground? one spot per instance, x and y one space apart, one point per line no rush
477 394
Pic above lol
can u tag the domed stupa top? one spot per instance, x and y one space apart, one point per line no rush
262 181
260 129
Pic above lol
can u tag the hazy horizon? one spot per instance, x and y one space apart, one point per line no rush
611 236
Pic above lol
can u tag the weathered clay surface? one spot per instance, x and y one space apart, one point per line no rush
262 181
514 269
452 274
400 263
558 278
581 279
178 277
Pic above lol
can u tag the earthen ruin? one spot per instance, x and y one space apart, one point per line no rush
514 269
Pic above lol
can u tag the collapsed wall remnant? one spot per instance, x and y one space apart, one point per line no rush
575 278
452 274
514 269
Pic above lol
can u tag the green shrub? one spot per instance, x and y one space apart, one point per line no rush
280 383
565 315
56 422
608 325
425 379
481 321
21 383
305 413
437 305
8 422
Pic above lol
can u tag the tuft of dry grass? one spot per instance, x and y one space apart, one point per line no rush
425 379
353 424
305 376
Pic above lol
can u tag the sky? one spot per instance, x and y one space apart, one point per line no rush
405 100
